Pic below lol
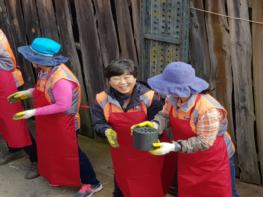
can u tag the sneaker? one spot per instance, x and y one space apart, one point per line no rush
53 185
32 172
8 157
87 190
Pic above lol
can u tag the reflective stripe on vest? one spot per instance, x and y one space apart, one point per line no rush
46 84
205 103
13 68
105 100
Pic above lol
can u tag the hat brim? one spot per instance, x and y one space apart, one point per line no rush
36 58
165 87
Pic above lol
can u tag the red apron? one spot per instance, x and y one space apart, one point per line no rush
138 173
14 132
203 173
57 148
169 169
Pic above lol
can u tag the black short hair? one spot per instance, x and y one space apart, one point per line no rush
119 67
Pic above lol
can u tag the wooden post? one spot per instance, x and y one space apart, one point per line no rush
219 52
17 36
47 19
125 32
240 50
199 51
257 35
64 24
90 49
107 31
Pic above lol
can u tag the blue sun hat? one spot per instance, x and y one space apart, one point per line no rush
43 51
178 79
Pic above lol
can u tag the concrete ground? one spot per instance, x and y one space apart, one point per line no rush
12 183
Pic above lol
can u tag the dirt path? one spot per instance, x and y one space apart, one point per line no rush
12 183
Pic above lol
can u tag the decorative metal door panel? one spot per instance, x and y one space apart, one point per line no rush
165 29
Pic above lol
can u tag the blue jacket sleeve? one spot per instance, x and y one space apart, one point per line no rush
156 106
98 120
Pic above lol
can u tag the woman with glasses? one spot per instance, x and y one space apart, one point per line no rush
124 103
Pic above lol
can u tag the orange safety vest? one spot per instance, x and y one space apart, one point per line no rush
46 85
105 100
205 103
137 173
16 72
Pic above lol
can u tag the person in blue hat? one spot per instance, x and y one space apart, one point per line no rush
56 110
199 127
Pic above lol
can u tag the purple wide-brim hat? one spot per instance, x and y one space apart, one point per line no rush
178 79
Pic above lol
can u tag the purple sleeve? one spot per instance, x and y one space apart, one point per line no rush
62 91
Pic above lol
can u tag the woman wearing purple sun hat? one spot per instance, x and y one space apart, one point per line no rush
199 128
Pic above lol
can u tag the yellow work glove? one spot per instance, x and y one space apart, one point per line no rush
20 95
24 114
145 124
162 148
112 138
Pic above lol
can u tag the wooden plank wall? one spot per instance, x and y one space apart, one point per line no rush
92 33
257 43
221 50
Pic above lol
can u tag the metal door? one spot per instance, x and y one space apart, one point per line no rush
165 29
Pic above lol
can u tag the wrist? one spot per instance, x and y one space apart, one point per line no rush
155 124
106 132
177 146
31 112
30 90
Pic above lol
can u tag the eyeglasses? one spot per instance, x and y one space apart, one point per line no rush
118 79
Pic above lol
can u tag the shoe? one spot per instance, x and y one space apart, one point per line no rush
87 190
8 157
32 172
53 185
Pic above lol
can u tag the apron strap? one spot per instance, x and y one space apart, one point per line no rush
196 100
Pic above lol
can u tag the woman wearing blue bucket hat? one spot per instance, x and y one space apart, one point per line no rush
199 127
56 105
